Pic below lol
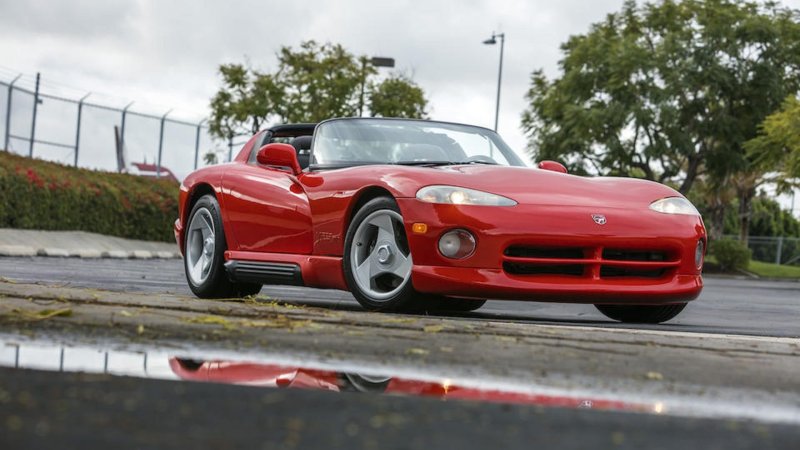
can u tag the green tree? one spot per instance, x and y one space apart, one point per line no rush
312 83
777 148
668 91
246 100
397 96
321 81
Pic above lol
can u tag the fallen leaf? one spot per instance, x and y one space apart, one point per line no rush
433 328
43 314
140 329
654 376
417 351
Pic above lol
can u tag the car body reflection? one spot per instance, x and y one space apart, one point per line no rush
280 376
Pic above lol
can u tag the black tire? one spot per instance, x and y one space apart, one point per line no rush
359 383
641 313
190 364
217 284
406 299
460 304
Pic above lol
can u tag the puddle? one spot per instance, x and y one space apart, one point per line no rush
282 372
165 366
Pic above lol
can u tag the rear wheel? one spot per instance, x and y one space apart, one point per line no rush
641 313
204 250
377 259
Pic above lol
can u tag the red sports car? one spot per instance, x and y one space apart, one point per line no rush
410 214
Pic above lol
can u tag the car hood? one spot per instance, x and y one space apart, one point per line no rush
543 187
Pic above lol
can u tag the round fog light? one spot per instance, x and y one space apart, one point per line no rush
457 244
698 254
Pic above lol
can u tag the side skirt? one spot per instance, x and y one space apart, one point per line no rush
265 272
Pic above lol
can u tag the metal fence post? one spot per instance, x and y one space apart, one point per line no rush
33 122
161 144
197 143
122 125
8 111
780 250
230 147
78 128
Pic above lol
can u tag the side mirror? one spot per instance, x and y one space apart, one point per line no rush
280 155
553 166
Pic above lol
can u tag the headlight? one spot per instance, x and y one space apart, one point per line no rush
461 196
674 205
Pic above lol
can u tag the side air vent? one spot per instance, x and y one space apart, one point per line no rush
264 272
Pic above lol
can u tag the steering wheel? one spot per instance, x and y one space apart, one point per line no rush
481 158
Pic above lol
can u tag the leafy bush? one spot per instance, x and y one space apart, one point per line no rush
36 194
730 254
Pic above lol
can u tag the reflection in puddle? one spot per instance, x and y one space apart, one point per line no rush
268 375
160 365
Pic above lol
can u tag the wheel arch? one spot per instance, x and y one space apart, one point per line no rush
197 191
360 199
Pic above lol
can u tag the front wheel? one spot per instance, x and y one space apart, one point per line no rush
377 259
641 313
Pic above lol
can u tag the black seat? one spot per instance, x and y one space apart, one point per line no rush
302 144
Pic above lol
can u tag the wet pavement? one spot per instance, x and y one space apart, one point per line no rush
727 305
296 368
266 373
59 395
50 410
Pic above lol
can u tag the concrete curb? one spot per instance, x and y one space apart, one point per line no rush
27 251
80 244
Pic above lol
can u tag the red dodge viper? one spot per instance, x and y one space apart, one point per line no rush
410 214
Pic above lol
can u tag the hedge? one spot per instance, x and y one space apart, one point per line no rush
731 255
36 194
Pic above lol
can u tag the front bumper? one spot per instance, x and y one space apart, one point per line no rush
489 271
496 284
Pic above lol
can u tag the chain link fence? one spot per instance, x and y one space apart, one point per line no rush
40 120
776 250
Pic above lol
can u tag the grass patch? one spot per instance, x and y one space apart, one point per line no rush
768 270
760 268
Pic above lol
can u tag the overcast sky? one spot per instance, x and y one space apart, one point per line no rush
165 54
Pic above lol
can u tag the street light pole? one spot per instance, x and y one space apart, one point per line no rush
377 61
492 41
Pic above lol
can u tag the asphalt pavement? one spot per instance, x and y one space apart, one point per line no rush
726 306
708 389
98 411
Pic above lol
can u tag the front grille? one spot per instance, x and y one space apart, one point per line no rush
619 272
545 252
589 262
633 255
575 270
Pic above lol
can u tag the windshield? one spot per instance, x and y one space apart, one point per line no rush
348 142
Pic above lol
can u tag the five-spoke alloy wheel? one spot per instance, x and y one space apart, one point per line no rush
377 259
